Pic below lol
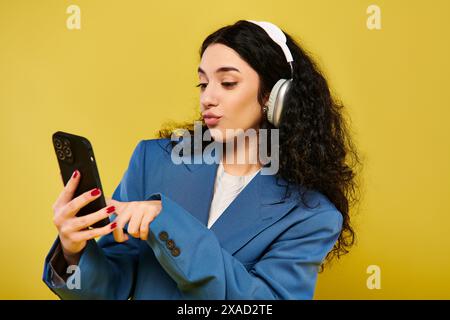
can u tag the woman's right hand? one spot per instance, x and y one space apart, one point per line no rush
72 230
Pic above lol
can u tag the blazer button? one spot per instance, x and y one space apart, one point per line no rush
176 252
170 244
163 236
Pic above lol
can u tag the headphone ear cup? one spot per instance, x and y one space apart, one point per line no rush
276 99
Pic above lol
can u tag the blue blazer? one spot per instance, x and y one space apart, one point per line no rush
261 247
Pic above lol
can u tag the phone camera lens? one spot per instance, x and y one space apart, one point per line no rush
60 154
58 143
66 143
67 152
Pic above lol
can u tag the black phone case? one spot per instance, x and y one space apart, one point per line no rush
75 152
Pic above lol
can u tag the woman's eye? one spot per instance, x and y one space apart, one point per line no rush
225 84
229 84
201 85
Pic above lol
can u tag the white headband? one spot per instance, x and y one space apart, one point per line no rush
278 37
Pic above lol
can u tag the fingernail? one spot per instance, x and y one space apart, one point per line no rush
113 225
75 174
110 209
95 192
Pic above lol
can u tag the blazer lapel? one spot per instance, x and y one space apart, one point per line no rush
201 181
259 205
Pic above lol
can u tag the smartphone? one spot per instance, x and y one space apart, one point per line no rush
75 152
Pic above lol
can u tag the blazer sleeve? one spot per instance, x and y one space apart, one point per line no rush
106 268
202 269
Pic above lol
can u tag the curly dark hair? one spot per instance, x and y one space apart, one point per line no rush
316 150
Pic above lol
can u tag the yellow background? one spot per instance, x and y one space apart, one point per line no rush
132 66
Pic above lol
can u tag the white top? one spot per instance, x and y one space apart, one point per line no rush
226 189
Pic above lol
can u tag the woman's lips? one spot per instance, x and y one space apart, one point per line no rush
211 121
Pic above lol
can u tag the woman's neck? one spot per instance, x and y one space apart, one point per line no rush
241 159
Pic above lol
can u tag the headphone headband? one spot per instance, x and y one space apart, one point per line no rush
279 38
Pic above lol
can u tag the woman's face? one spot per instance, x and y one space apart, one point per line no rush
228 90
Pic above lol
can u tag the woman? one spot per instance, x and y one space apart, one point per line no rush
223 230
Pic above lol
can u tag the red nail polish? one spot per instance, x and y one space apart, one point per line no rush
110 209
95 192
113 225
75 174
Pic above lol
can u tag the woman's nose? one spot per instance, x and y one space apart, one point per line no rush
208 97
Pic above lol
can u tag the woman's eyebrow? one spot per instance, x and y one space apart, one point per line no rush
221 69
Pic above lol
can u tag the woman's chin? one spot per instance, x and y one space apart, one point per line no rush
219 134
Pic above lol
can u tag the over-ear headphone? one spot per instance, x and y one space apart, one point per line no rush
277 96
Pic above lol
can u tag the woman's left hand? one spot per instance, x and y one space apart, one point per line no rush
138 215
